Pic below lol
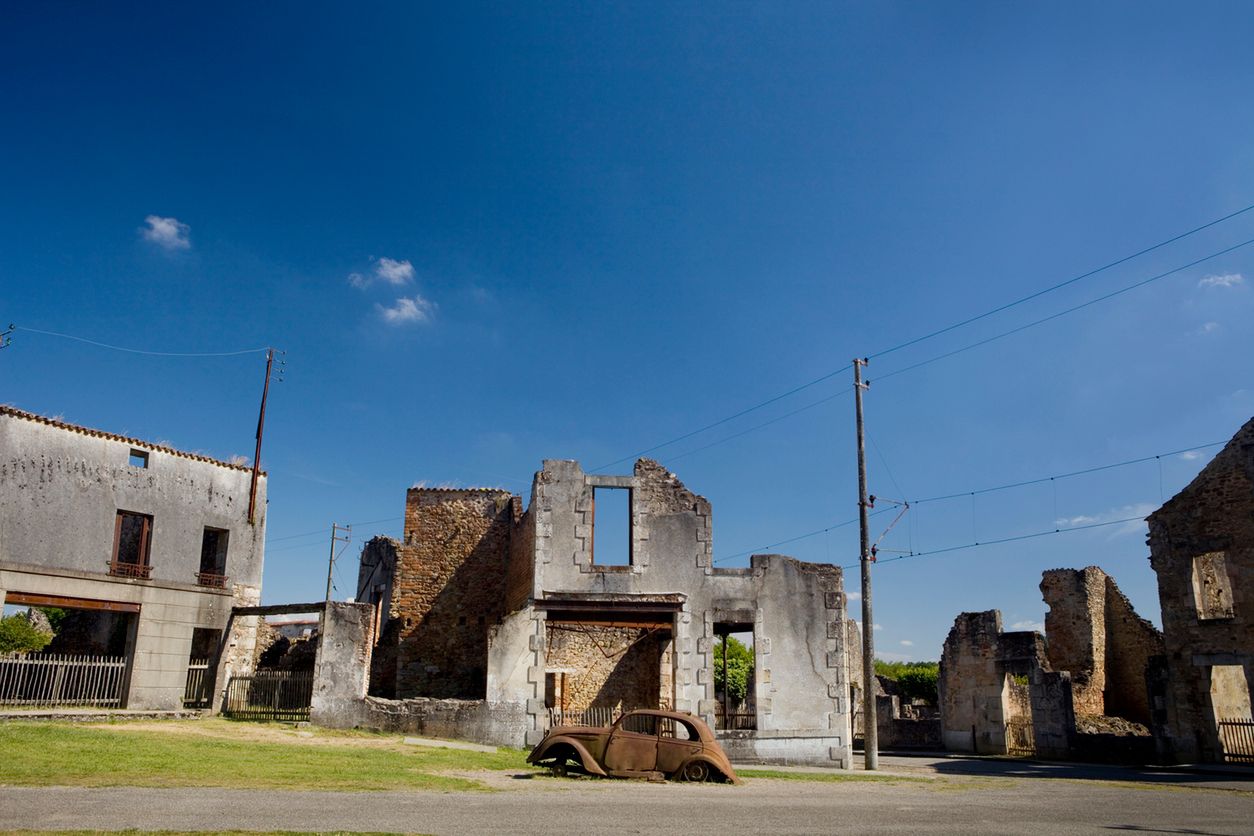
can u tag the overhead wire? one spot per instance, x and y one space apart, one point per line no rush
140 350
954 326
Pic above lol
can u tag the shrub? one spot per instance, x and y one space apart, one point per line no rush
915 680
17 635
739 666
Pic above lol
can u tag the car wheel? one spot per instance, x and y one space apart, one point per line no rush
697 771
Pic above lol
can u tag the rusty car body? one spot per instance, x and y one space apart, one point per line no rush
640 744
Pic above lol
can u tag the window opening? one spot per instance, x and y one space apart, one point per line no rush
677 729
196 692
611 526
132 537
213 558
735 676
1212 589
139 458
639 723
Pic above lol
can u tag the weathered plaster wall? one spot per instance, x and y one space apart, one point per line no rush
342 666
972 687
61 487
1207 527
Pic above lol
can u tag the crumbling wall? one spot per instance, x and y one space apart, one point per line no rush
1202 550
449 589
971 686
342 667
606 667
1095 634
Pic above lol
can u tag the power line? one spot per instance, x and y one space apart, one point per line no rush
1016 538
143 351
1061 285
981 491
1070 310
753 428
914 341
322 532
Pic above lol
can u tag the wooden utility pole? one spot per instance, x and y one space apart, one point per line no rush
870 734
261 425
335 530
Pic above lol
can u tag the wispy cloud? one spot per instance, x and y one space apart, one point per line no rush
387 270
167 233
1208 328
853 596
1028 625
394 272
407 311
1135 514
1225 280
1191 455
907 643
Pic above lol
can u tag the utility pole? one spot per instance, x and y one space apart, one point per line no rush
870 734
335 530
261 425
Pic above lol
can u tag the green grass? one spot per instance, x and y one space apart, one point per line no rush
221 754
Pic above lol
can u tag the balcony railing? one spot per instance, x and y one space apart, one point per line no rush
210 579
130 570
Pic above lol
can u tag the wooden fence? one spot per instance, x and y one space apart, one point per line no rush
269 695
48 680
196 693
1238 740
588 717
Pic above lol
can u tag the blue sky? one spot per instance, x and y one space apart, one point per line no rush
495 234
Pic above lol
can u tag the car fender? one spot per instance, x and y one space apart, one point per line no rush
723 767
589 763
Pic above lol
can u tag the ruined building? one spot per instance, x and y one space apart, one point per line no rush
146 547
502 619
1202 549
1056 695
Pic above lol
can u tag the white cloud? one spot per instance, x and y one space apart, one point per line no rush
1208 328
907 643
853 596
1028 625
1226 280
878 626
406 310
358 281
394 272
1191 455
167 233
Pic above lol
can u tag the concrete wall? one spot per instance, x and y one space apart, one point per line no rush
1202 549
61 487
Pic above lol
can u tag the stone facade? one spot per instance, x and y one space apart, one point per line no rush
1202 549
1096 636
447 589
997 693
478 582
159 534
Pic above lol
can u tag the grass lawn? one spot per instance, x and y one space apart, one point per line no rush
221 753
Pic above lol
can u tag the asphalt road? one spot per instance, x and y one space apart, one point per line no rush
944 804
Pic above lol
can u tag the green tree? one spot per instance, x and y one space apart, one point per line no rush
739 669
915 680
16 634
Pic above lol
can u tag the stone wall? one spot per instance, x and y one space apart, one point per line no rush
1202 550
342 665
1096 636
449 589
607 667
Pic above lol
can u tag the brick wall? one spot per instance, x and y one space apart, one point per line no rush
449 589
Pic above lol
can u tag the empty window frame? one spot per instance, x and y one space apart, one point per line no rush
132 537
213 546
611 526
1212 589
139 458
735 677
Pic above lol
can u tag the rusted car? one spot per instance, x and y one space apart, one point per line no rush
640 744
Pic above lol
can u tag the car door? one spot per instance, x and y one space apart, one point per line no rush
677 741
633 744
